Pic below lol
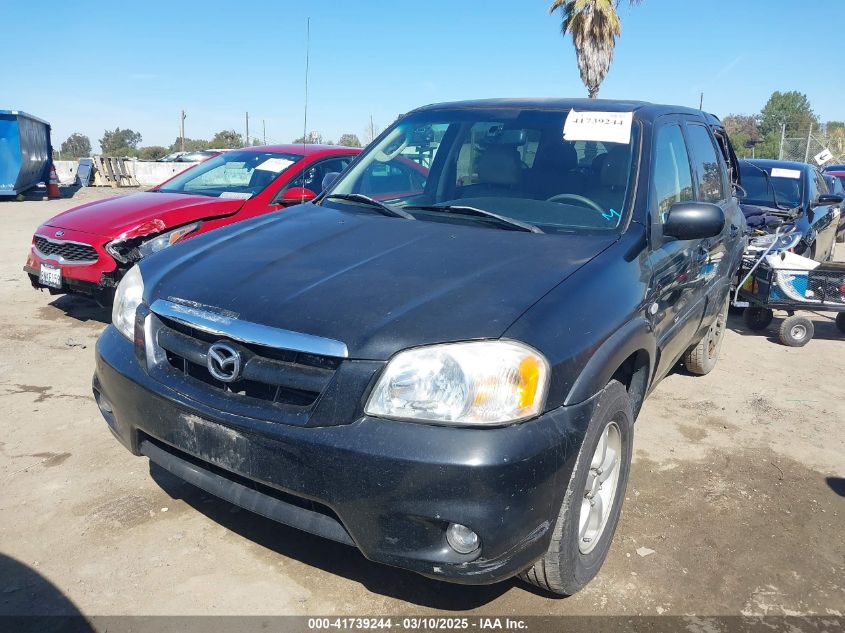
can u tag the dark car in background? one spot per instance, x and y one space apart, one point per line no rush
447 377
834 168
793 199
836 184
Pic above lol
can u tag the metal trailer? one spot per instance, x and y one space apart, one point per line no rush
25 152
766 289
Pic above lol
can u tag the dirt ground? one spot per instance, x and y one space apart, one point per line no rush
738 487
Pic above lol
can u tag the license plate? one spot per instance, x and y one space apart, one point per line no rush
50 276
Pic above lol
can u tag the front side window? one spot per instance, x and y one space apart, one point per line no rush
235 174
672 179
706 164
312 177
511 162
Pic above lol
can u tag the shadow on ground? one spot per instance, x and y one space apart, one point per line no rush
76 307
837 484
30 602
335 558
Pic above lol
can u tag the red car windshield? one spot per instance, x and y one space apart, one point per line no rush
236 174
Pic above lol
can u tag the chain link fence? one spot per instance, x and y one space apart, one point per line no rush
806 147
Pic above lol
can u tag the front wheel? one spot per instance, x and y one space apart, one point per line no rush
840 322
593 500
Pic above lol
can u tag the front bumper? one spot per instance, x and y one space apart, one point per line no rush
96 279
389 488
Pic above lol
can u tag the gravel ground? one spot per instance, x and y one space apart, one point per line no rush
738 487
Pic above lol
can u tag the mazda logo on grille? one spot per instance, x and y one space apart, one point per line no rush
224 362
59 233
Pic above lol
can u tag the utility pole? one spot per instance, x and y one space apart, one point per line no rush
264 131
782 137
809 138
246 140
182 131
307 69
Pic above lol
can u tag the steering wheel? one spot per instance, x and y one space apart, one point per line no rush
577 198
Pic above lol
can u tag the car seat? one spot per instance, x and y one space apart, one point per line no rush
554 171
499 173
613 179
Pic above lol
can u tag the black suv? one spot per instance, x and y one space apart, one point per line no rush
443 371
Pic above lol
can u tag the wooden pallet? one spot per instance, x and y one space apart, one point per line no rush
112 172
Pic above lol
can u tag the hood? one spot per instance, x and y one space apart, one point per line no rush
376 283
767 218
142 213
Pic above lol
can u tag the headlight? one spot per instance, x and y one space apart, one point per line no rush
127 298
480 382
785 241
166 239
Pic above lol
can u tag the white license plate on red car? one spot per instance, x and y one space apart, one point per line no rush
50 276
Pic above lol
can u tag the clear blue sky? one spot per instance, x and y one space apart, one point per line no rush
91 66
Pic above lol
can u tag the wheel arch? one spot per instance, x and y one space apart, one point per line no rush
629 356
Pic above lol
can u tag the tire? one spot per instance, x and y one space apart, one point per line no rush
567 566
701 358
840 322
757 318
796 331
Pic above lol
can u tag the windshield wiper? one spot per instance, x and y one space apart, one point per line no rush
457 208
769 182
375 204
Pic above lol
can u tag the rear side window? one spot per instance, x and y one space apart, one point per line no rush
672 179
706 164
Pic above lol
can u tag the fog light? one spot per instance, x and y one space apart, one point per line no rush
105 405
461 538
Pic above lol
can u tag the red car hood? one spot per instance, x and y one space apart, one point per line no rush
142 213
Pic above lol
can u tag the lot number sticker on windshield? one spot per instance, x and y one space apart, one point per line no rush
609 127
276 165
779 172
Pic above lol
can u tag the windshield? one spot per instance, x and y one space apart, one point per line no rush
766 185
232 174
512 162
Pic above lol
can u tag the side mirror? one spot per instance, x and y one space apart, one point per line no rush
693 221
329 179
828 198
296 195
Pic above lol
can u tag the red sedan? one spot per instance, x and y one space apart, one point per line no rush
87 249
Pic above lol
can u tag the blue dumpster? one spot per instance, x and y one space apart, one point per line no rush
25 152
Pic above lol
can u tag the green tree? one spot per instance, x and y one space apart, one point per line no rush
790 108
227 139
119 142
742 130
152 152
191 145
594 26
312 138
76 146
349 140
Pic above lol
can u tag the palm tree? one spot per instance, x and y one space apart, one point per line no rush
594 26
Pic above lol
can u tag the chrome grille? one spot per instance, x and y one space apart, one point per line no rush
272 376
65 252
